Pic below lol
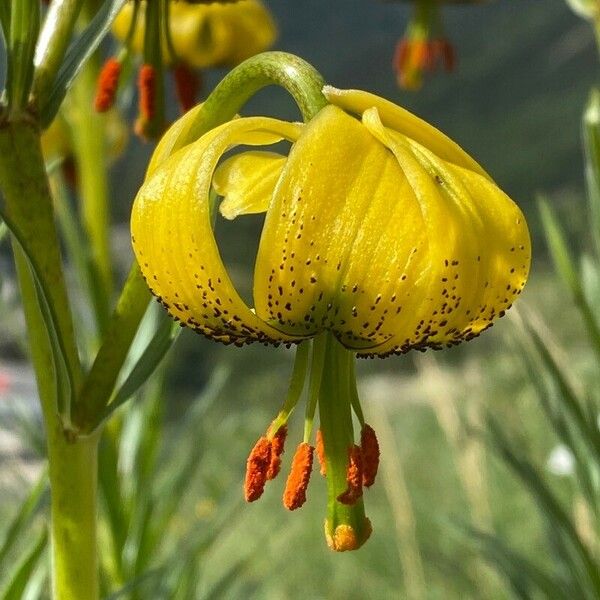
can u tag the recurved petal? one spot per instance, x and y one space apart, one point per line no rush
246 182
406 123
174 243
170 142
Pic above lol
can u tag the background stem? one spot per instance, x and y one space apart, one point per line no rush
73 481
53 42
89 138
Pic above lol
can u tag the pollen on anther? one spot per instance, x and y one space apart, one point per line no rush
257 467
294 495
146 86
108 82
320 447
370 455
354 477
277 446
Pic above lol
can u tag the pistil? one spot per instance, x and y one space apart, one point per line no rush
346 527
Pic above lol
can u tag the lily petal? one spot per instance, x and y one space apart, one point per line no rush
480 261
246 181
174 243
405 122
334 238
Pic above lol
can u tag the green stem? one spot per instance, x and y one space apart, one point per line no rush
73 485
24 28
73 466
54 40
153 57
28 211
89 137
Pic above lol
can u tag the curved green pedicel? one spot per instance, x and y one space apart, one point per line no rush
303 82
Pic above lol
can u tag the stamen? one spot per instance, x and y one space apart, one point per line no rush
294 495
277 446
370 454
257 467
108 82
146 87
187 85
354 477
321 453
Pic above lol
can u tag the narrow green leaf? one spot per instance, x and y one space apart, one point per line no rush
558 247
549 505
111 491
588 429
99 384
18 525
77 55
166 334
517 568
551 401
3 230
5 20
23 570
566 268
591 146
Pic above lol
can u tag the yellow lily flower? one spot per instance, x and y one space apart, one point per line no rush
381 236
205 35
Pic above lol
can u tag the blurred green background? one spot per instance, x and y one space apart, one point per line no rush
524 73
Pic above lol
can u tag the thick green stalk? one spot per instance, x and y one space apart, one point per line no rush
27 209
89 137
72 466
73 485
53 42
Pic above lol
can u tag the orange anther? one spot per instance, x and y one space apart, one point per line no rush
321 453
401 55
147 92
421 54
370 454
187 85
108 82
277 444
294 495
257 467
354 477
